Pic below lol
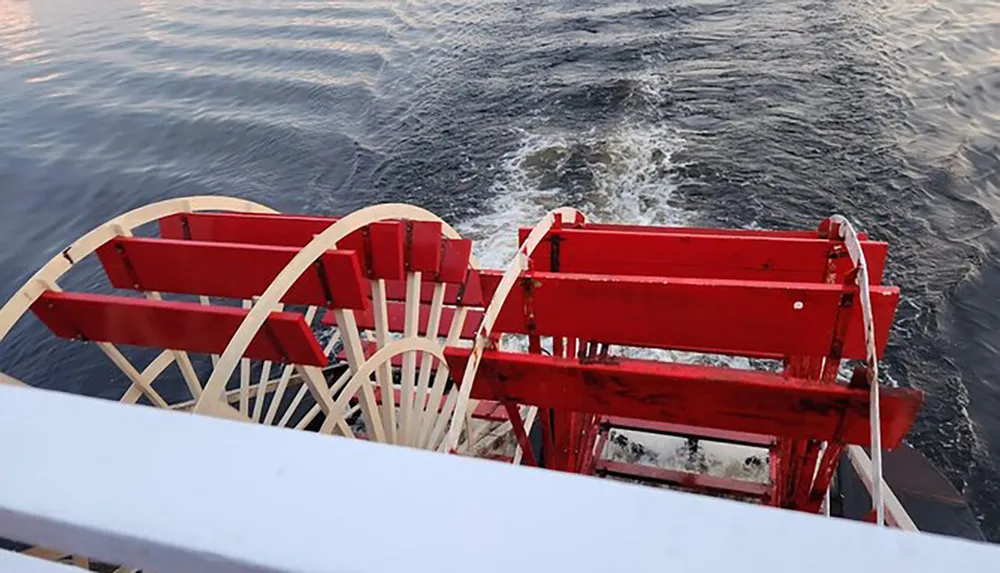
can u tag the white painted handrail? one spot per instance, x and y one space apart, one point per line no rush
127 501
857 254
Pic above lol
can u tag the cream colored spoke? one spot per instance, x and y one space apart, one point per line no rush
314 411
336 416
286 374
430 416
410 330
334 338
279 394
511 274
355 359
188 372
383 374
258 403
414 428
244 371
206 301
150 373
137 379
362 378
441 423
290 411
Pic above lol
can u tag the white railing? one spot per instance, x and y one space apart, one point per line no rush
173 492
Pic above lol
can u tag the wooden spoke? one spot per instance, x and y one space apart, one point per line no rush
430 416
258 401
383 375
151 372
244 370
137 379
337 386
410 327
317 384
361 378
355 358
423 381
503 290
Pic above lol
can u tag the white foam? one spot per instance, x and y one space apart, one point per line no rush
618 174
628 166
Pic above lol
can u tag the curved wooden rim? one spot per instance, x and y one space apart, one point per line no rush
47 276
384 355
210 399
510 276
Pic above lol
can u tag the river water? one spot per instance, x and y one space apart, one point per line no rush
747 113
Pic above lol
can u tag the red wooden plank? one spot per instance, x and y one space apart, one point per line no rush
396 317
716 316
259 229
455 261
721 398
230 270
296 231
386 241
284 337
682 431
423 246
795 233
693 255
685 480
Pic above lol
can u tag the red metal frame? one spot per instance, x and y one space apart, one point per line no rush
722 398
785 295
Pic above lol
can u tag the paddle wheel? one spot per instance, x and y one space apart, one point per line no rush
380 325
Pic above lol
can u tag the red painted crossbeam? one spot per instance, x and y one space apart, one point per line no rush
757 257
683 431
396 317
395 246
685 480
721 398
231 270
284 337
259 229
673 229
745 318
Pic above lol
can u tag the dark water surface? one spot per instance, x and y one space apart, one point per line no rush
738 112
